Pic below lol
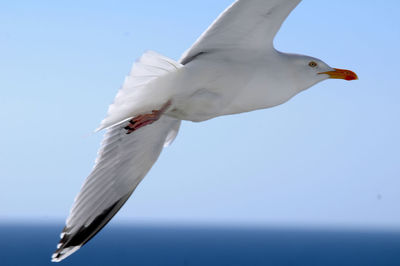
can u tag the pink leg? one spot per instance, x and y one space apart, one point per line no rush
146 119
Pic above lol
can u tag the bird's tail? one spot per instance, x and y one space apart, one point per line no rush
136 95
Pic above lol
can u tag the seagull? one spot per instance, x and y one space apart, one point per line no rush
232 68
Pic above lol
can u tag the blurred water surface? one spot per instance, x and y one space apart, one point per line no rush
203 246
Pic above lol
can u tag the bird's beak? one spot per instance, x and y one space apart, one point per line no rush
341 74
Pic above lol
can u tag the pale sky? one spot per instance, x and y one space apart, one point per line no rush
329 157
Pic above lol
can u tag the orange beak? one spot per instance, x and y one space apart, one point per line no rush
341 74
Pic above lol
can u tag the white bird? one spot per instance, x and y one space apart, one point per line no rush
232 68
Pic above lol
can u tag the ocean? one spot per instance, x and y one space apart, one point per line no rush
23 245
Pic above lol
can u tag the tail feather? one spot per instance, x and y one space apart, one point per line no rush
136 95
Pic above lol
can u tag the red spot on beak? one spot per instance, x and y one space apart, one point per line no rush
341 74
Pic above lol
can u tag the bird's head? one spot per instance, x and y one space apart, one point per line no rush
308 71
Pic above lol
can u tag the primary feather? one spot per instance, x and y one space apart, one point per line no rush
122 162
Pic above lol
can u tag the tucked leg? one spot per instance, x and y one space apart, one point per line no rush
146 119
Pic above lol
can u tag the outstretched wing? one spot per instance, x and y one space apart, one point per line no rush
122 162
246 24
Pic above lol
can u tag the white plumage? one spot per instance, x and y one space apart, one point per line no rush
232 68
122 162
137 92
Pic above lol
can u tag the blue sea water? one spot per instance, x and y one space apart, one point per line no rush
203 246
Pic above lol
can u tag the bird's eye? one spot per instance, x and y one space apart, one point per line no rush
312 64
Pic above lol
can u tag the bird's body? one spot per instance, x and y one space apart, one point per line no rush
232 68
229 85
218 84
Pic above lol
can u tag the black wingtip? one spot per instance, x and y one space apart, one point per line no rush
70 243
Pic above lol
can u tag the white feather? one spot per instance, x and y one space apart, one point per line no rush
139 94
123 161
249 25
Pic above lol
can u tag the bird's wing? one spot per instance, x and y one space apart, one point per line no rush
122 162
246 24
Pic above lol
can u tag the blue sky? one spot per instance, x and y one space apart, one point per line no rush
329 157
